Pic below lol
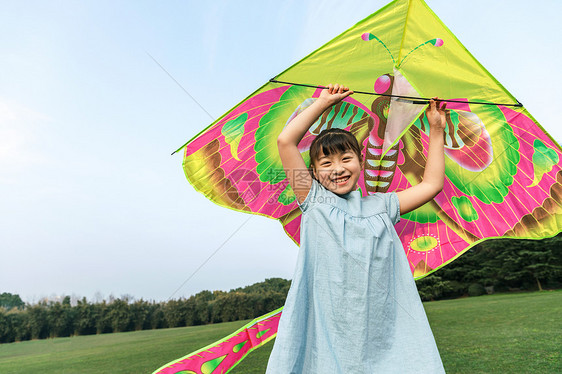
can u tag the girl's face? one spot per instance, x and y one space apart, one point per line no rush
338 172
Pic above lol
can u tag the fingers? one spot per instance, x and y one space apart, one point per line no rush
440 105
347 93
431 105
334 89
337 88
437 104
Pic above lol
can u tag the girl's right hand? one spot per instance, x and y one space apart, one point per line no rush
333 94
436 114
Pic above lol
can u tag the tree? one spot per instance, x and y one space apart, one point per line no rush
19 323
9 301
139 312
37 320
156 316
530 262
86 316
174 313
103 320
61 319
118 314
500 265
202 314
6 329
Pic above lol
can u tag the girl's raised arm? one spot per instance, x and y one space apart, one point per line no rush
293 163
434 174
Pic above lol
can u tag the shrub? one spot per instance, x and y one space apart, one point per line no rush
476 289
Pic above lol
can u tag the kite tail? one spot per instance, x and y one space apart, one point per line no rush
223 355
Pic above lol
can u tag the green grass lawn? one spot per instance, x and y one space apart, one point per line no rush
508 333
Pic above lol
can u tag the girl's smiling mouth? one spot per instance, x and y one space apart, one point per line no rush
341 180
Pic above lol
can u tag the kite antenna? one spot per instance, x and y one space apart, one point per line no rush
368 36
437 42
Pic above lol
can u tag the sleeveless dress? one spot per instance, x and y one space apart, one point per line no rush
353 306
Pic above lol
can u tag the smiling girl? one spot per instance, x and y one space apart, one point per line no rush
353 306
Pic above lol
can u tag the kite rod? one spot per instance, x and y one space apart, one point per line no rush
415 100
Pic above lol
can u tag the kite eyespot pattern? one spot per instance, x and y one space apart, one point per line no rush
424 243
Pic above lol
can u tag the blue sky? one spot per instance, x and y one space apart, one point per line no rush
91 200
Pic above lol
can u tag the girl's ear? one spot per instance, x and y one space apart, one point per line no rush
312 169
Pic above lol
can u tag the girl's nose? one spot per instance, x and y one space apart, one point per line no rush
338 169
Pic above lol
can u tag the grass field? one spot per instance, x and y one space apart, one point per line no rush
508 333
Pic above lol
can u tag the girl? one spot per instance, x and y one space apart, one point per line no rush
353 306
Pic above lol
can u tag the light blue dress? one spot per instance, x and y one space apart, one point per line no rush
353 306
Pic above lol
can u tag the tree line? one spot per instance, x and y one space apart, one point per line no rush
492 266
499 265
49 319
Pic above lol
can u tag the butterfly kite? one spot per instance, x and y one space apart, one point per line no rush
503 171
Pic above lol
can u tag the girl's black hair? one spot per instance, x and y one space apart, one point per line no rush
333 141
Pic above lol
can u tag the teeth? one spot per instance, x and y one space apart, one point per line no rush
341 179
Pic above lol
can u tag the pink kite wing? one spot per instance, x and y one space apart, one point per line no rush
235 162
503 179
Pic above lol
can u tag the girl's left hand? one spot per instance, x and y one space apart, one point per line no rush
333 94
436 114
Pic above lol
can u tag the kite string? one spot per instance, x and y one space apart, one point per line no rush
239 227
415 100
180 86
209 258
184 90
